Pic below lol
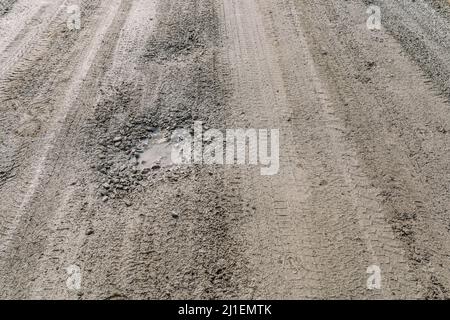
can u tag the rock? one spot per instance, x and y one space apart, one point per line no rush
89 231
175 215
323 183
105 199
117 139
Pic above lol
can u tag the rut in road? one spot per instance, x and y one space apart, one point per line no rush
363 149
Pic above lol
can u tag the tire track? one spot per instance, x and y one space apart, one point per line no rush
363 154
326 213
390 128
41 165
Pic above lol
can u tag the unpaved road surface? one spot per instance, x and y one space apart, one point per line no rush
364 177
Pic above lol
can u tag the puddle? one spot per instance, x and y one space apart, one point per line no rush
156 152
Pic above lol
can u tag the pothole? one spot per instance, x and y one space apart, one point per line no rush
155 152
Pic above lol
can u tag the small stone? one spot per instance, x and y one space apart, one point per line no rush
175 215
89 231
105 198
117 139
127 202
323 183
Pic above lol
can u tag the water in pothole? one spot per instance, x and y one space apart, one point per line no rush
156 152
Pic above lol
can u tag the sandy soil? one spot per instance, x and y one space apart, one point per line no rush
364 149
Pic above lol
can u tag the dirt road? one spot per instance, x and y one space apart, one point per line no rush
364 126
